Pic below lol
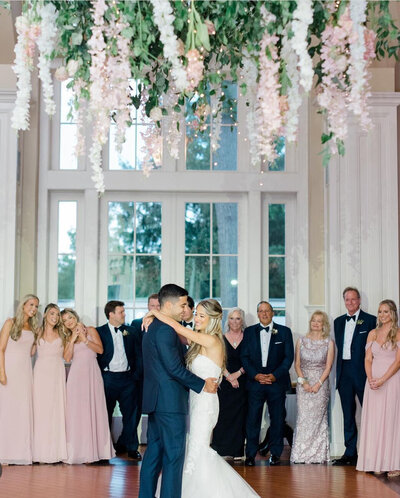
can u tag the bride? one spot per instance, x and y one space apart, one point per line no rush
205 473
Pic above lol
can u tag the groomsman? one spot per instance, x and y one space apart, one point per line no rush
267 354
351 332
188 318
152 303
121 367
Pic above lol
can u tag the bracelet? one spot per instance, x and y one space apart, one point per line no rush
302 380
320 383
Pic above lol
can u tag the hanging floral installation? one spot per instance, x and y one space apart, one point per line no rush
171 58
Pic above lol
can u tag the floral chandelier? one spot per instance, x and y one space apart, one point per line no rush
177 50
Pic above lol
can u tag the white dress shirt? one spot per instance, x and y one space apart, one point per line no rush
119 361
265 338
348 336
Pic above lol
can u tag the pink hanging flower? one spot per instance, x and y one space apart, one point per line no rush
194 69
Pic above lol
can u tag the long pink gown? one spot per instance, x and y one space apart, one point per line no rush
49 399
380 438
88 433
16 413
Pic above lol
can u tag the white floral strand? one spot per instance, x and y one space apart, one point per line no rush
173 123
358 65
164 19
291 59
302 18
23 63
46 43
249 75
216 113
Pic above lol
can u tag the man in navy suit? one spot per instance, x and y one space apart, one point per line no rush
165 399
267 354
351 332
121 368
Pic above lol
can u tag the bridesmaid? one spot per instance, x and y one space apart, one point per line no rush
49 437
230 431
16 415
313 362
88 433
379 436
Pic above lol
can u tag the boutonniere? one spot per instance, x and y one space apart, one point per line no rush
274 331
360 322
125 333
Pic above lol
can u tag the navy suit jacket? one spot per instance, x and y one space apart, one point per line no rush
132 344
280 356
166 379
364 325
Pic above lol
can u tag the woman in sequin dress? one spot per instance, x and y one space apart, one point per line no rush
313 362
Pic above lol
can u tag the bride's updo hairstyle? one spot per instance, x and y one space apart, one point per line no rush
214 327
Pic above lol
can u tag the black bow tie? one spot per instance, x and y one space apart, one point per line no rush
121 328
264 328
348 318
185 324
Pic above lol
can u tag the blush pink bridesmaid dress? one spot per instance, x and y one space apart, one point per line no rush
88 433
49 400
16 414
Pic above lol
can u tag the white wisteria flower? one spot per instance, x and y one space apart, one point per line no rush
302 18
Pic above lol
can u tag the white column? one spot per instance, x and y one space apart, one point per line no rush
361 205
8 196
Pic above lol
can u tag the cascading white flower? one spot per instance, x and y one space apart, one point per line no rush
358 65
172 123
216 113
164 19
249 75
46 43
302 18
291 59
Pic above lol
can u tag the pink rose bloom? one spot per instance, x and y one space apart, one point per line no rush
210 27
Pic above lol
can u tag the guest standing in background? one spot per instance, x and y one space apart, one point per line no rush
49 435
230 432
88 433
379 435
152 304
313 362
16 413
351 332
267 354
121 367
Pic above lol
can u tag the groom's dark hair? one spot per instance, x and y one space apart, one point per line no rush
171 292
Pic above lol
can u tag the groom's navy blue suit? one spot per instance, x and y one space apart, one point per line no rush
280 358
165 400
350 374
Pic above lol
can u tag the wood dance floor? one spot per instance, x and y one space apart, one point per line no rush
120 479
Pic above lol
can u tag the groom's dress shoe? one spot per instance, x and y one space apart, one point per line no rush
250 462
345 460
135 455
274 460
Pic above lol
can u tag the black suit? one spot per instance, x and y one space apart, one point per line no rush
280 358
122 386
350 374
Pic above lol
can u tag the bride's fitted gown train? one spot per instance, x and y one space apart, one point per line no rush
205 473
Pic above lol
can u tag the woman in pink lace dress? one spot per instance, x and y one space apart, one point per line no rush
88 433
313 362
49 437
16 415
379 437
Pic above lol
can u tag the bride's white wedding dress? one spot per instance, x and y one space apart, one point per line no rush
205 473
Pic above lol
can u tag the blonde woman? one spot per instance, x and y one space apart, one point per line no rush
313 362
88 433
49 437
230 432
380 438
17 339
205 358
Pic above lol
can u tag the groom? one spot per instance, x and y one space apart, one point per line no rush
165 399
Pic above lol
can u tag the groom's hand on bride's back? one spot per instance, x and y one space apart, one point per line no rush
211 385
